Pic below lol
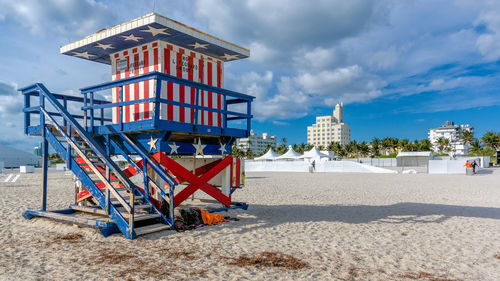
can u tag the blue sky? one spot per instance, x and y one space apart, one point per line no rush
400 67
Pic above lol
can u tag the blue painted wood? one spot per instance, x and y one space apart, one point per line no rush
86 181
64 215
45 155
165 77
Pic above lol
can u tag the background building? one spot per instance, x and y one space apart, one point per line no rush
453 133
329 128
256 143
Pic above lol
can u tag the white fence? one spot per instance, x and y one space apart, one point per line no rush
301 166
442 165
379 162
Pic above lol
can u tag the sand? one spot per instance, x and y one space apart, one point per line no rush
344 226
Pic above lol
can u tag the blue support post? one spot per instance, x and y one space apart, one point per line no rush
146 178
224 116
120 110
102 116
26 114
85 111
45 157
68 147
108 177
157 103
92 112
196 100
249 123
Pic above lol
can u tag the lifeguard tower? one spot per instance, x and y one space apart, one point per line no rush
167 115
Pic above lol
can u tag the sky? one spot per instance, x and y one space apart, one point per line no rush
399 67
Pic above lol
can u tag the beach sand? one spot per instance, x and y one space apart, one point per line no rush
344 226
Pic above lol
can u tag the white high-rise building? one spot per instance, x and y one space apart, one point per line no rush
256 143
329 128
452 132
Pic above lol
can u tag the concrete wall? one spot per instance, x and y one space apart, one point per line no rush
321 167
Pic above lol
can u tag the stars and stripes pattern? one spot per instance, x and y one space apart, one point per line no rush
175 61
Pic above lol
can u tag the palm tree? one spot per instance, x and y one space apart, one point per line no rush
467 136
425 145
394 144
386 144
249 154
375 147
475 146
238 153
309 146
301 148
364 149
403 144
491 140
336 147
283 141
443 143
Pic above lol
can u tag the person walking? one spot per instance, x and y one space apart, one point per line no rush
313 164
468 164
474 165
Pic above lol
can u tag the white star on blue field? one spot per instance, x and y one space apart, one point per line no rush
400 67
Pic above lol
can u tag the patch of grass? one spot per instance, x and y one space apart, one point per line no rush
269 259
113 257
353 272
71 238
185 254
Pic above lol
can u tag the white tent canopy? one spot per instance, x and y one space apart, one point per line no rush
314 153
290 154
269 155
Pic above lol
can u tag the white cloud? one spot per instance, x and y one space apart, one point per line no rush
60 17
284 24
488 43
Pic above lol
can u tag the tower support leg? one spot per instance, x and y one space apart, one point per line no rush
45 168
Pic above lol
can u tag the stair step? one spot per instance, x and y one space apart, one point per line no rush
146 217
137 207
151 228
142 206
115 201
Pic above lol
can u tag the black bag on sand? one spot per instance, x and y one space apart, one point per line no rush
191 216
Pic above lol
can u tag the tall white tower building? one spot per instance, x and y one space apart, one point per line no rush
329 128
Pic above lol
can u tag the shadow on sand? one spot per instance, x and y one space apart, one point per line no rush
269 216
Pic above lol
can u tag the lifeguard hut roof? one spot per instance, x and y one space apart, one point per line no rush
98 46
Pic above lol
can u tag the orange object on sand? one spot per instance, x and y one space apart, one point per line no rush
468 164
211 219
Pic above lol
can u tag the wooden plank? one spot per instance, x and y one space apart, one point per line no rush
146 217
151 228
90 210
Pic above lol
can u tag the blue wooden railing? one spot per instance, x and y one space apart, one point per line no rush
229 98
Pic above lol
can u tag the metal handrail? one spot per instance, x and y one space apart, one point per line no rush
164 77
229 98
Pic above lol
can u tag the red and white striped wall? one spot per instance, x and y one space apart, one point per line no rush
175 61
